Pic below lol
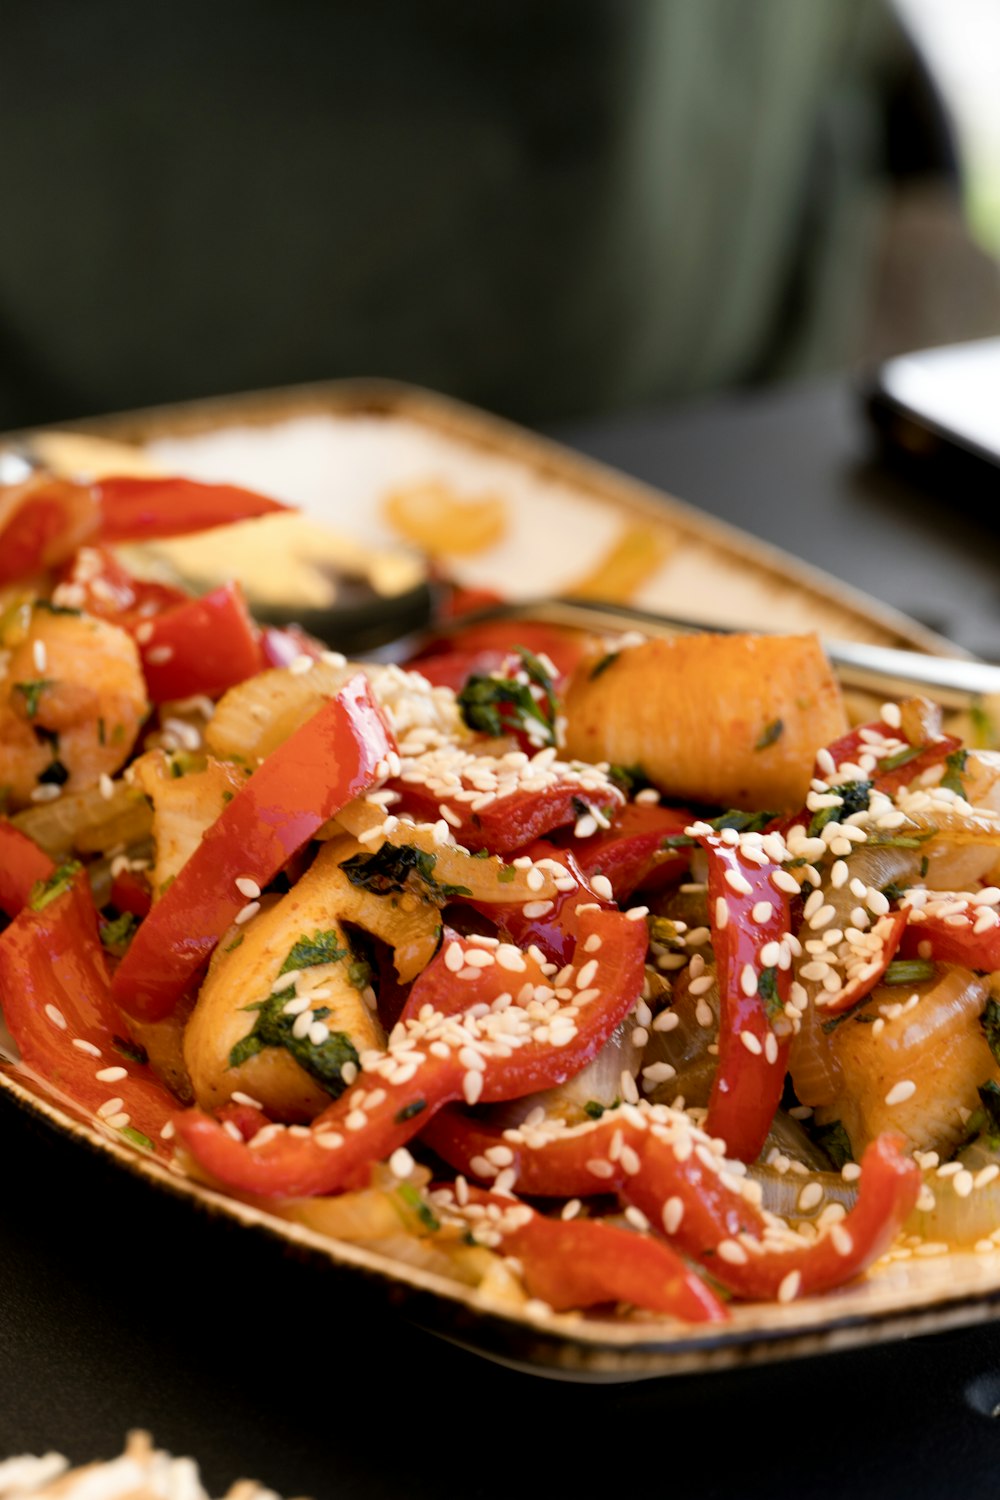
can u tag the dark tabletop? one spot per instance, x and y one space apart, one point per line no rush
120 1307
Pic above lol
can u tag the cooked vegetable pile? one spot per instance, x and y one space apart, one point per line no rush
594 974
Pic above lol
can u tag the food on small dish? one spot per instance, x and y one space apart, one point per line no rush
547 976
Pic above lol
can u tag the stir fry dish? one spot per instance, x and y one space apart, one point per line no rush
616 974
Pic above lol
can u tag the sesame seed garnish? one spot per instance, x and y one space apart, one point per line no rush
85 1046
790 1286
56 1016
673 1214
248 887
738 883
601 886
246 912
722 912
751 1043
732 1252
109 1107
900 1092
157 655
111 1075
810 1197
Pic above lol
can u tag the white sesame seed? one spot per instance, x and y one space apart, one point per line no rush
106 786
722 912
732 1252
672 1214
738 883
533 909
790 1286
157 655
109 1107
111 1075
601 886
248 887
56 1016
246 912
87 1047
46 792
39 655
900 1092
810 1197
751 1043
401 1162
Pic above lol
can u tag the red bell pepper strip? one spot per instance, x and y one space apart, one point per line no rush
42 523
130 893
583 1262
204 645
46 520
479 649
514 1047
748 914
326 763
631 852
142 509
893 772
657 1160
952 939
22 865
103 586
554 932
510 822
55 996
890 929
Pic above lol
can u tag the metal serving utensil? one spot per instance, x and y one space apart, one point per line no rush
952 681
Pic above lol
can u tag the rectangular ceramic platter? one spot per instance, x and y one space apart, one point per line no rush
337 450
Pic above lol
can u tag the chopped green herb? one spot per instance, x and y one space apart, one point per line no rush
989 1098
391 869
415 1202
129 1132
894 891
308 952
908 971
237 940
909 840
500 705
481 854
273 1028
117 934
360 974
56 609
901 758
506 875
835 1141
954 766
771 733
227 796
131 1050
983 727
593 1109
742 822
630 779
925 865
31 692
767 989
410 1111
853 799
990 1022
43 892
603 665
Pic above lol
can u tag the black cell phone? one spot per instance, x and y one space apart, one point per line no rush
937 412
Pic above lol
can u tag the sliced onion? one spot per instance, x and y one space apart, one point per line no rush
956 1218
88 822
782 1192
